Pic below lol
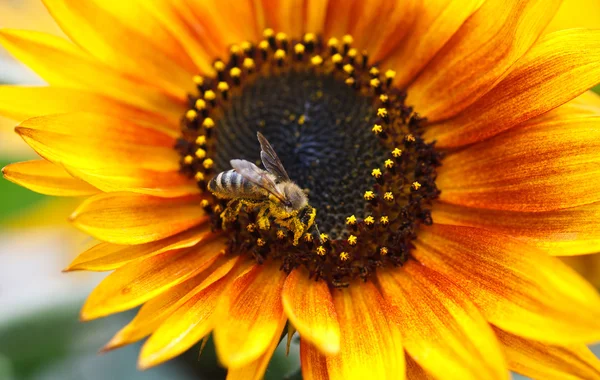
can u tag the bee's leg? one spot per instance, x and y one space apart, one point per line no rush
262 219
231 212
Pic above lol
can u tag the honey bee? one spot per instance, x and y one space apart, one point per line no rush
271 191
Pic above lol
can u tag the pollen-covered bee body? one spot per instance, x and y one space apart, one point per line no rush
271 191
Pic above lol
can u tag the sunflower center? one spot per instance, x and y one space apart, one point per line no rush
343 135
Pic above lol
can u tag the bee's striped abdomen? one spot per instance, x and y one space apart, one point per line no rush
231 184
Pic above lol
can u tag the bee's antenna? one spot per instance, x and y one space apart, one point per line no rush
318 233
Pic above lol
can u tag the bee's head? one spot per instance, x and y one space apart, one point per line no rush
295 198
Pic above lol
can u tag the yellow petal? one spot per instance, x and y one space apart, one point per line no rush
559 67
47 178
63 64
251 314
309 306
314 363
156 311
488 44
149 49
576 14
540 361
415 371
435 24
565 232
516 287
441 328
107 256
539 167
142 280
125 218
371 345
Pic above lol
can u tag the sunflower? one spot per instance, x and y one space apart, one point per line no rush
446 152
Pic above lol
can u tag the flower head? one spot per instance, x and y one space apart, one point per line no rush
414 173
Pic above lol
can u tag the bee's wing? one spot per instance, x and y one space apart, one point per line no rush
257 176
270 160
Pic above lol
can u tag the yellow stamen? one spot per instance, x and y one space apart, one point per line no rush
374 71
351 220
199 176
383 251
388 196
385 220
251 227
200 104
198 80
347 39
352 240
410 138
235 72
210 95
382 112
369 195
384 98
374 82
280 54
348 68
260 242
208 163
390 74
324 237
299 49
377 129
416 185
208 123
316 60
376 173
204 203
337 58
388 163
188 160
191 115
396 152
223 86
268 33
369 220
321 250
201 140
219 66
200 153
344 256
248 63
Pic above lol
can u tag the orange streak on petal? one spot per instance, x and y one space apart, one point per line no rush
126 218
371 345
487 44
251 314
140 281
416 372
308 304
516 287
540 361
441 328
559 67
107 256
314 363
47 178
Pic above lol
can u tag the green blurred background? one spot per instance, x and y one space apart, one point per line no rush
40 335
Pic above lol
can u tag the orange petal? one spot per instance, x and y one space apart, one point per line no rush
256 369
309 306
538 167
47 178
142 280
125 218
251 315
565 232
558 68
155 312
540 361
415 371
99 26
314 363
371 346
441 328
85 72
436 23
20 103
488 43
107 256
516 287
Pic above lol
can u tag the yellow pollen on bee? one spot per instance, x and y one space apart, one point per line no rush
299 48
235 72
388 196
309 37
208 123
382 112
219 66
384 98
198 80
281 36
369 220
279 54
410 138
324 237
223 86
316 60
337 58
200 153
260 242
199 176
377 129
397 152
188 160
374 83
280 234
191 115
416 185
251 227
383 251
201 140
351 220
263 45
347 39
321 250
390 74
348 68
200 104
352 240
388 163
344 256
333 42
204 203
376 173
210 95
248 63
369 195
385 220
268 33
208 163
374 71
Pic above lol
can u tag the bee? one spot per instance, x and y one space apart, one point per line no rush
271 191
